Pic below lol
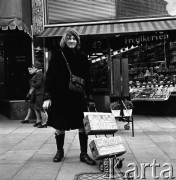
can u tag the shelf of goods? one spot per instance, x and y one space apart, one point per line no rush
161 93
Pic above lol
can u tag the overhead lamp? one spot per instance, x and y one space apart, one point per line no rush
93 56
115 53
103 57
46 54
38 48
99 54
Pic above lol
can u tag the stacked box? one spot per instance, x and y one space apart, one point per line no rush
106 147
99 123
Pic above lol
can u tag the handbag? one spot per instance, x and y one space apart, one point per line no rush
76 83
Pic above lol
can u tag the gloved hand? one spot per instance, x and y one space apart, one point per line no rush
27 98
47 104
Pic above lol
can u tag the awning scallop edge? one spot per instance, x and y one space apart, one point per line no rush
14 23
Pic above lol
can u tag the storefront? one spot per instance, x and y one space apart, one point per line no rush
123 50
15 53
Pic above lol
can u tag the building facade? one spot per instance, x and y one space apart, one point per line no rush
15 55
130 44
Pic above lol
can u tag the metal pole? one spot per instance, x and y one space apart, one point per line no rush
45 57
45 12
111 69
165 60
121 76
32 45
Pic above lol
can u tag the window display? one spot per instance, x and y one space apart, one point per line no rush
100 76
152 72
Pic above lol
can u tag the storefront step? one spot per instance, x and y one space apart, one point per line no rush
14 109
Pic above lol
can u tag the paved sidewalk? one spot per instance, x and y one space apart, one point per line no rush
26 152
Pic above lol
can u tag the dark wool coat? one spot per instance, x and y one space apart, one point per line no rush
37 82
67 107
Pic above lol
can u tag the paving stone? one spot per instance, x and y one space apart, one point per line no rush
26 153
38 171
42 158
162 138
8 171
16 156
147 155
166 125
68 170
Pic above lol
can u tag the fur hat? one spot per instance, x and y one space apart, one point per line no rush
72 32
38 65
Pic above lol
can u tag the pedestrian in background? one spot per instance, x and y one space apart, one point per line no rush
35 94
27 98
65 106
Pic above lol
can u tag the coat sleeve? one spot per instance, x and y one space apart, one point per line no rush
49 80
37 81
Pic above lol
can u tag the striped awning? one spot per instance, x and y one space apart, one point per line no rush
113 28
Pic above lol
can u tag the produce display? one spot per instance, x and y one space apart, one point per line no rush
157 93
152 74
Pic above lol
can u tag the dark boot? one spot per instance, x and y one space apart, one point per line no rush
60 151
83 139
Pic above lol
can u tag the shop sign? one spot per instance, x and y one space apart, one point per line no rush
20 59
145 38
96 45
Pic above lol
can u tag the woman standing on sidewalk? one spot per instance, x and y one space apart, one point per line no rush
67 107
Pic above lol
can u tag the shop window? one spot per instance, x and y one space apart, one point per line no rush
100 74
152 71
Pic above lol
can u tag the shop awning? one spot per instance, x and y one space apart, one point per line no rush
113 28
16 14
